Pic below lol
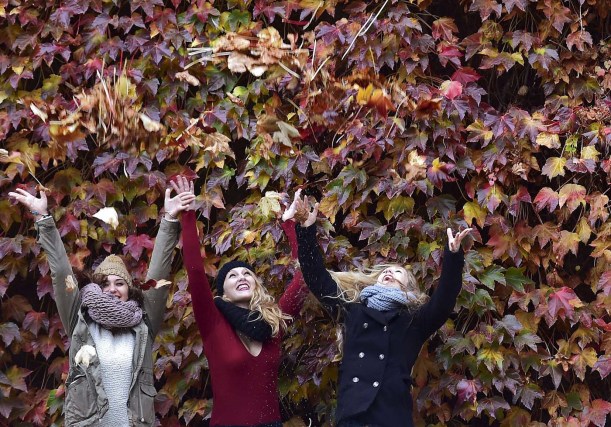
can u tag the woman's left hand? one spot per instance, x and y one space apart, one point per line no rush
454 241
184 199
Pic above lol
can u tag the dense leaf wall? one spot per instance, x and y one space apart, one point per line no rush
401 117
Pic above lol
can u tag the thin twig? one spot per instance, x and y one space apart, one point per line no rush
288 70
364 29
320 67
314 14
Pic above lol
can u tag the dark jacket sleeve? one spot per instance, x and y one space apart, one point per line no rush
206 313
315 274
434 313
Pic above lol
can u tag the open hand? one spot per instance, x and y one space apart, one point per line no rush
184 199
36 205
301 211
454 241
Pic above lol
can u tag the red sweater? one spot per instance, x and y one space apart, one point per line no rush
245 387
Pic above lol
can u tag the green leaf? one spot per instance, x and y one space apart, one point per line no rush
492 274
515 278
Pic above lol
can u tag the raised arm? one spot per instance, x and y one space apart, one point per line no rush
66 298
206 313
435 312
294 295
161 260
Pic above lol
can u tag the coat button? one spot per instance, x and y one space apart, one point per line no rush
385 328
365 325
355 379
381 356
375 383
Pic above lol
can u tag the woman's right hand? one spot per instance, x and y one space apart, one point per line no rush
300 210
36 205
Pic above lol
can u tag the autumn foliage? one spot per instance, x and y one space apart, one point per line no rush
401 117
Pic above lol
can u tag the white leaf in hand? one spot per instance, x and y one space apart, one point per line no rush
70 283
270 203
109 216
85 355
3 153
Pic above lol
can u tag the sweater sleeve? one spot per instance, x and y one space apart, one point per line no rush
314 272
206 313
294 295
67 300
159 268
435 312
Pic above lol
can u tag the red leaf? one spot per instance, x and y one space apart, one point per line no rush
557 13
597 413
466 391
604 283
35 320
579 39
546 198
562 303
466 75
603 366
485 8
451 89
444 28
134 244
15 308
520 4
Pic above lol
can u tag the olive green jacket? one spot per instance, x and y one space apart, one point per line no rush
85 401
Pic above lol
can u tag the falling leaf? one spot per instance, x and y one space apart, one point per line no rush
185 76
149 124
43 116
109 216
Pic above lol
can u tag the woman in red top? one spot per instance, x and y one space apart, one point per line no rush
241 331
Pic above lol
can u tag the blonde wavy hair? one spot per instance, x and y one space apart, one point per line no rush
263 303
351 283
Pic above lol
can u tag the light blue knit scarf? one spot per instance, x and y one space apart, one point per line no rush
383 298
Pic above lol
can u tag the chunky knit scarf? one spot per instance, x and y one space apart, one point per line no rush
382 298
244 320
109 311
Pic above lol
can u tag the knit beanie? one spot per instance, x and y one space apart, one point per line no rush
114 265
220 277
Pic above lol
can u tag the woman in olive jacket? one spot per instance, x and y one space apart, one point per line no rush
386 321
111 324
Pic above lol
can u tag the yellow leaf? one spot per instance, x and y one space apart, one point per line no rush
269 203
329 207
491 357
549 140
162 282
364 95
590 153
583 230
471 210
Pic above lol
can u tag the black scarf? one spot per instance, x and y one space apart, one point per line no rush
244 320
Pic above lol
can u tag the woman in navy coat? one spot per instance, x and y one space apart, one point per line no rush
386 321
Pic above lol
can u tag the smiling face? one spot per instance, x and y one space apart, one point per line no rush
393 277
239 286
117 286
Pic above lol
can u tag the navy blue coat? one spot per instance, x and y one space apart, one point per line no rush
380 347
